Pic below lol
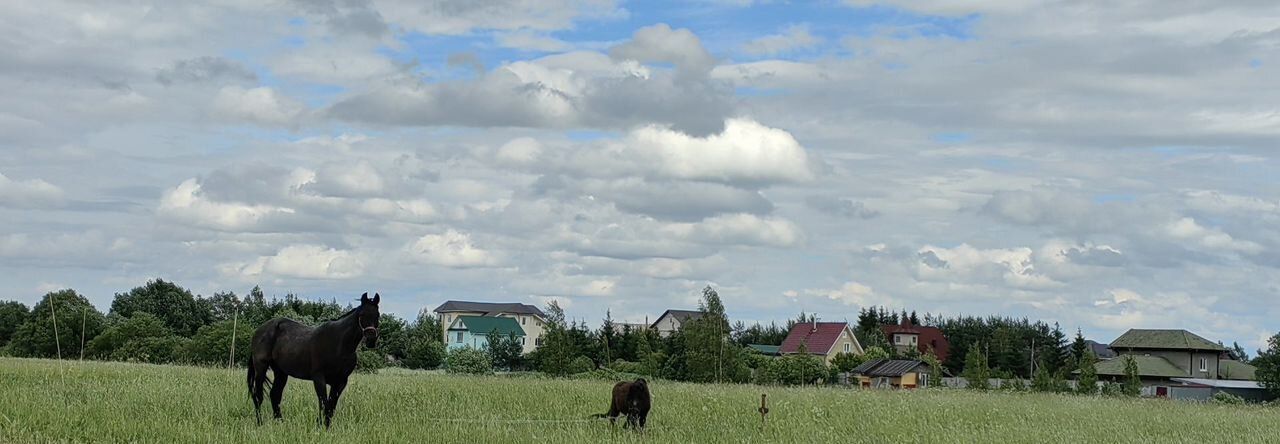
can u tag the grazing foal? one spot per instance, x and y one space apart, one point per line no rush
325 354
630 399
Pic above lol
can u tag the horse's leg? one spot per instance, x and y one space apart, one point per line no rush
277 391
259 378
334 392
318 380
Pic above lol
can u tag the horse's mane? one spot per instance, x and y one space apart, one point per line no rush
348 313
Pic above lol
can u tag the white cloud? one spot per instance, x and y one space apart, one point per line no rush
853 294
659 43
451 249
745 151
792 38
964 263
261 105
1187 229
187 203
31 193
303 262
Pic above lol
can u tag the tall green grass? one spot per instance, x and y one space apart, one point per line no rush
44 401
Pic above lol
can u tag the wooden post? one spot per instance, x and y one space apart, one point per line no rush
53 314
764 410
83 313
235 322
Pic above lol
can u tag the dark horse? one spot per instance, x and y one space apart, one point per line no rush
630 399
325 354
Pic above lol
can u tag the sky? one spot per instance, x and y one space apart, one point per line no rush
1103 165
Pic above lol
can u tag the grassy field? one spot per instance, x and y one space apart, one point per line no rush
43 401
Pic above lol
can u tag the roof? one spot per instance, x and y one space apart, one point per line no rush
770 350
930 339
490 308
1236 370
1153 366
482 325
887 367
681 315
817 340
1164 339
1102 351
1219 383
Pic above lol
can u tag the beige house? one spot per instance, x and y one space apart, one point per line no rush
673 320
530 319
825 339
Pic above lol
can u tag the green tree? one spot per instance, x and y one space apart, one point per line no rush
504 350
170 349
710 355
255 309
609 338
935 369
976 371
393 337
874 352
12 314
1132 385
121 330
1078 347
370 360
211 344
1087 381
177 307
224 306
425 354
557 351
846 362
77 319
1268 364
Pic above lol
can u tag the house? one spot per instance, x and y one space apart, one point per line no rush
1198 389
906 336
892 373
1162 355
531 320
767 350
1236 371
672 320
474 331
825 339
621 327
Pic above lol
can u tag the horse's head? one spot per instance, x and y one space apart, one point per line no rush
368 319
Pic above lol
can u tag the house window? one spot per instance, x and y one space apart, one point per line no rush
847 347
537 342
913 340
524 320
459 337
1204 365
522 340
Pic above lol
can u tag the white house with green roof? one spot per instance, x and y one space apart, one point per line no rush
474 331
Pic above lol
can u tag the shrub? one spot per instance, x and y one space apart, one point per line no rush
122 330
153 350
212 343
1112 389
469 361
1225 398
795 369
425 354
581 364
369 361
626 367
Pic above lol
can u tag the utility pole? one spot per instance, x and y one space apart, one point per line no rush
83 313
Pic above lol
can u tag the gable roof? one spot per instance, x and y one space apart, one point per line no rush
930 338
490 308
1218 383
887 367
767 350
1165 340
684 316
1154 366
817 340
1236 371
483 325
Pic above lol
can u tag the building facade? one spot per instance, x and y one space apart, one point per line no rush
532 321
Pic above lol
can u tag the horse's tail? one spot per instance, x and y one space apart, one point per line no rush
249 379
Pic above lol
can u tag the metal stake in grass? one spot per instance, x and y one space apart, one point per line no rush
764 411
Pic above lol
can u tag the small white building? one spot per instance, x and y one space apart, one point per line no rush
673 320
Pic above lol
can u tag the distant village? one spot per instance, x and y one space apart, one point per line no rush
1171 363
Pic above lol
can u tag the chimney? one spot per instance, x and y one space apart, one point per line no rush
815 323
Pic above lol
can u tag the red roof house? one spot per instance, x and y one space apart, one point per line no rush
826 339
904 336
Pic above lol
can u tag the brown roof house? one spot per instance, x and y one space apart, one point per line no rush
892 373
824 339
906 336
